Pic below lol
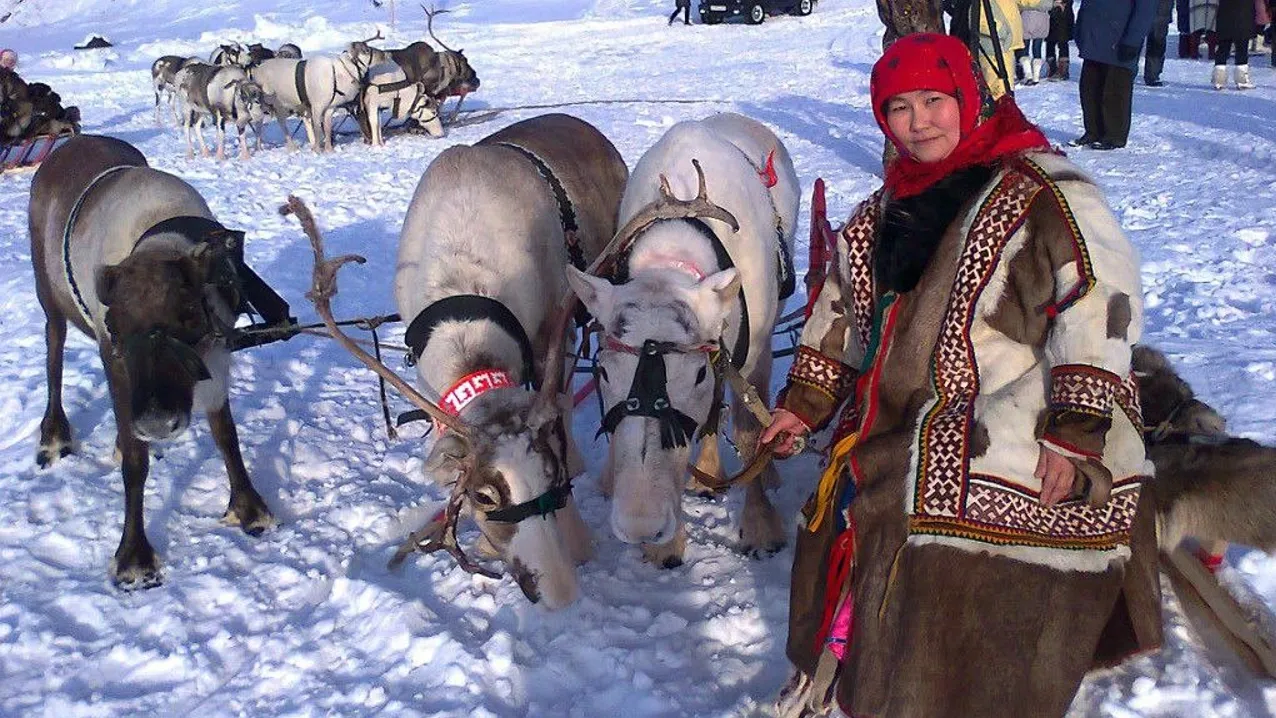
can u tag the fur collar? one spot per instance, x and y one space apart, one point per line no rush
911 228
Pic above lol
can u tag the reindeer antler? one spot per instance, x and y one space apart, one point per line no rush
429 25
324 287
374 37
666 207
436 535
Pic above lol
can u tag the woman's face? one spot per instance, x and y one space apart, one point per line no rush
926 122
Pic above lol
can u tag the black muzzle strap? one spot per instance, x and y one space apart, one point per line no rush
649 397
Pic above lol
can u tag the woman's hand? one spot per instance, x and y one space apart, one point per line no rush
1057 474
786 425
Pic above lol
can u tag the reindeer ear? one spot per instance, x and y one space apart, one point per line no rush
713 299
104 283
595 293
446 458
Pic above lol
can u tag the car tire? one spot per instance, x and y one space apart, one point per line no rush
755 14
803 7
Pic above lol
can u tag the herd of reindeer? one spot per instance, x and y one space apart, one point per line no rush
248 85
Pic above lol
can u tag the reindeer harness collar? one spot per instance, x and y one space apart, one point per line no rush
470 307
70 228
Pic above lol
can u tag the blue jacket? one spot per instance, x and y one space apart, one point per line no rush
1104 25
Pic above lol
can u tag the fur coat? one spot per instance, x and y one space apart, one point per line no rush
965 596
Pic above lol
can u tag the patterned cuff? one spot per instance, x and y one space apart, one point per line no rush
1083 389
816 386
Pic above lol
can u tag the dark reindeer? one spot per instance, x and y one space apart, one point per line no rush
133 258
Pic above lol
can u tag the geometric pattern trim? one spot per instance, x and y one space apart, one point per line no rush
861 236
948 500
1083 388
819 372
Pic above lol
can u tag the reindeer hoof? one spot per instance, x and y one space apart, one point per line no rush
139 570
250 515
48 455
759 547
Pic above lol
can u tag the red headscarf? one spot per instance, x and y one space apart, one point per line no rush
989 130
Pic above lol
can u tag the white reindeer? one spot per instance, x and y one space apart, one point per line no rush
388 87
480 275
313 92
221 93
679 301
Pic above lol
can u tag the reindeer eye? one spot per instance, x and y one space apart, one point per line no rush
700 375
486 498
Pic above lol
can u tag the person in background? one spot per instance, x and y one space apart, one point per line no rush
1061 19
683 6
8 59
1036 28
1006 16
1235 27
1109 36
1154 56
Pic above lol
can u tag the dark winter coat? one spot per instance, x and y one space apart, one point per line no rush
1235 20
1061 21
1104 26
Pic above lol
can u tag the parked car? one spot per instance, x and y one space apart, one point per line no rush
754 12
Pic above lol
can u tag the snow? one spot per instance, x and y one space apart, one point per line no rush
306 619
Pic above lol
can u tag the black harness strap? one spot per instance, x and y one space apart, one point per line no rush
544 505
393 86
649 396
299 78
566 211
70 228
470 307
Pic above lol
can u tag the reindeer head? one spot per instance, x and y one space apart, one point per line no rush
1169 405
427 114
654 367
513 471
251 99
166 327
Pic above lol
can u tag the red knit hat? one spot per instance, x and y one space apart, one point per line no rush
928 61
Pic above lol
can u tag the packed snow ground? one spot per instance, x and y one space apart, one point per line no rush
306 620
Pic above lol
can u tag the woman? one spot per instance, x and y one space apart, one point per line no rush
1036 28
1061 18
977 325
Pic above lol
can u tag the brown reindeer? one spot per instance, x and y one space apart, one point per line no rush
1214 487
133 258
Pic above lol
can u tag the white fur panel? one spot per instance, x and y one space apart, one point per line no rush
212 393
1010 415
1091 561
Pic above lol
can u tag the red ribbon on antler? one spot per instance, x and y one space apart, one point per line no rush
767 175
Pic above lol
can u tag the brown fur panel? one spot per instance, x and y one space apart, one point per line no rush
1119 316
1020 311
1224 491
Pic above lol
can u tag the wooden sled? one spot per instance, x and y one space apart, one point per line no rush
29 153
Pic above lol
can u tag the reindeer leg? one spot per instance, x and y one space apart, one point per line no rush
761 528
283 129
135 564
190 148
219 123
55 430
308 122
246 510
243 142
199 132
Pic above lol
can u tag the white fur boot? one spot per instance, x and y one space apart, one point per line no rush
1025 64
1219 78
1242 78
1037 65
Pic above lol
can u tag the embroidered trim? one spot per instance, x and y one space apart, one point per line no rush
1127 397
1083 388
817 371
472 386
860 235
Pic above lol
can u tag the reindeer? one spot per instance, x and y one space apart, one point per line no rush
438 74
549 188
690 285
228 55
1211 486
133 257
311 89
222 93
164 81
388 87
288 51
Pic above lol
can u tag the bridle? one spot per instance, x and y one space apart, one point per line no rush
648 395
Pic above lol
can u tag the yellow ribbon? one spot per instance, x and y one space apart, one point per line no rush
824 497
